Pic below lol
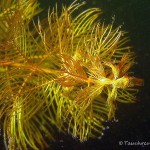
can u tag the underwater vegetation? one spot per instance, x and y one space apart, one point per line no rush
61 71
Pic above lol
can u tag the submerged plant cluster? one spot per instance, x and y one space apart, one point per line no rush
63 71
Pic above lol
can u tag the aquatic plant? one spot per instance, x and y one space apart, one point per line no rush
64 72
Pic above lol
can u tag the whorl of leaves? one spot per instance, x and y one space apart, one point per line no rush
61 72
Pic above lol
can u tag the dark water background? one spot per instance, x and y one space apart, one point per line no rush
133 119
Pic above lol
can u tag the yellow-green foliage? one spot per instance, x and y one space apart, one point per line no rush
62 72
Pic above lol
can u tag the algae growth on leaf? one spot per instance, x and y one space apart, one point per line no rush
64 72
